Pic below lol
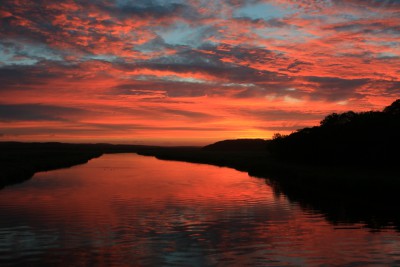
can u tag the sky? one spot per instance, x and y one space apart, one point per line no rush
174 72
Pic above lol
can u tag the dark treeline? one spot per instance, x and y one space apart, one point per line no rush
365 138
238 144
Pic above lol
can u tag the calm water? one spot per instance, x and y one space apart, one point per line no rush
130 210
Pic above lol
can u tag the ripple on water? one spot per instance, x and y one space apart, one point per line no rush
129 210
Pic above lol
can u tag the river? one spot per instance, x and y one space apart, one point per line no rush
131 210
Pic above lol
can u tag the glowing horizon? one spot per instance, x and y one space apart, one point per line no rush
190 72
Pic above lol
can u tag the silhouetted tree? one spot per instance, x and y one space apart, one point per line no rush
330 119
277 136
238 145
335 118
394 108
365 138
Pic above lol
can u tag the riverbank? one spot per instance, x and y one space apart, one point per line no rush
19 162
336 180
343 193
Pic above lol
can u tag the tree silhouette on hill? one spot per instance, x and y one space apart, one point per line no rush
238 145
393 109
348 138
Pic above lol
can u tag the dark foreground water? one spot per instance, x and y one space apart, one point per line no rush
130 210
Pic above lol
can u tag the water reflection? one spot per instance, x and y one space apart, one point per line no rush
377 211
138 211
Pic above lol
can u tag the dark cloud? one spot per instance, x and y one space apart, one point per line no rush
259 22
139 127
238 3
166 88
24 75
38 22
142 9
296 66
31 20
192 61
248 54
371 3
368 28
280 115
336 89
187 114
283 128
156 44
36 112
251 92
393 87
95 128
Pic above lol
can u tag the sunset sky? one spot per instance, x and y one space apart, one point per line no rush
175 72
